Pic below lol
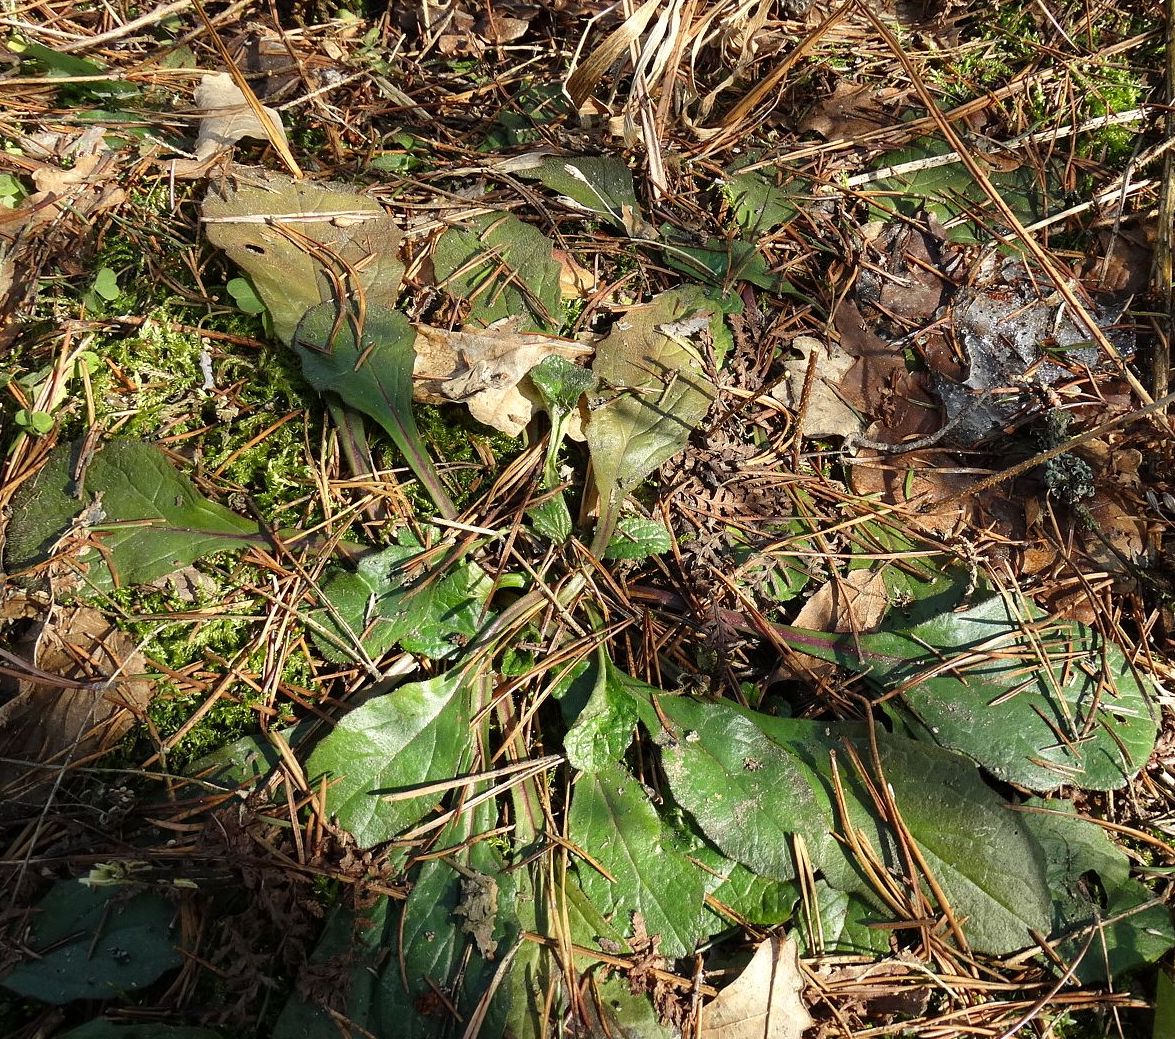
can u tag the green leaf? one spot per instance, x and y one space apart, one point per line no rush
612 817
638 538
1038 703
604 728
95 943
370 369
38 423
504 268
841 926
381 606
149 519
62 65
414 735
727 767
245 296
722 261
106 284
651 366
351 235
759 204
1136 932
1164 1007
552 519
619 1012
738 890
560 383
350 948
600 183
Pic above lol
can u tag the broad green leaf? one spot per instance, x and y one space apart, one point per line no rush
722 261
1135 933
350 946
1164 1007
560 384
326 227
148 518
616 1011
655 391
841 925
727 766
760 205
638 538
370 369
612 817
416 734
604 728
504 268
552 519
735 889
382 606
432 945
1038 703
95 943
599 183
60 65
245 296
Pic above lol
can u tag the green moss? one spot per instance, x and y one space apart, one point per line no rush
450 432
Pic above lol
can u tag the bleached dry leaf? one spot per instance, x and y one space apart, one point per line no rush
82 695
229 117
764 1001
83 190
485 370
826 414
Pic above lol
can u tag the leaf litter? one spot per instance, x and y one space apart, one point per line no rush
736 493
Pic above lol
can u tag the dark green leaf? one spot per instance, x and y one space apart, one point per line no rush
721 262
95 943
370 369
727 767
604 729
416 734
1136 932
611 815
149 519
561 383
759 204
104 1029
599 183
1038 703
841 926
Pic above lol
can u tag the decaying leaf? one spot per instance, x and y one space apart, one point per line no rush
83 691
826 414
486 370
652 369
764 1001
296 239
227 117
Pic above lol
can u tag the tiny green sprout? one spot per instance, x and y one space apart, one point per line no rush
245 296
37 423
106 284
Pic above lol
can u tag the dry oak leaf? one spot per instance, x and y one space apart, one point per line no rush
486 370
81 693
764 1001
826 414
228 117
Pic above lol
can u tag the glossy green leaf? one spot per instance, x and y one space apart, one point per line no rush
328 225
721 262
619 1013
1041 703
638 538
149 519
727 766
655 391
735 889
367 359
504 268
1136 932
841 925
385 601
604 728
612 816
416 734
95 943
